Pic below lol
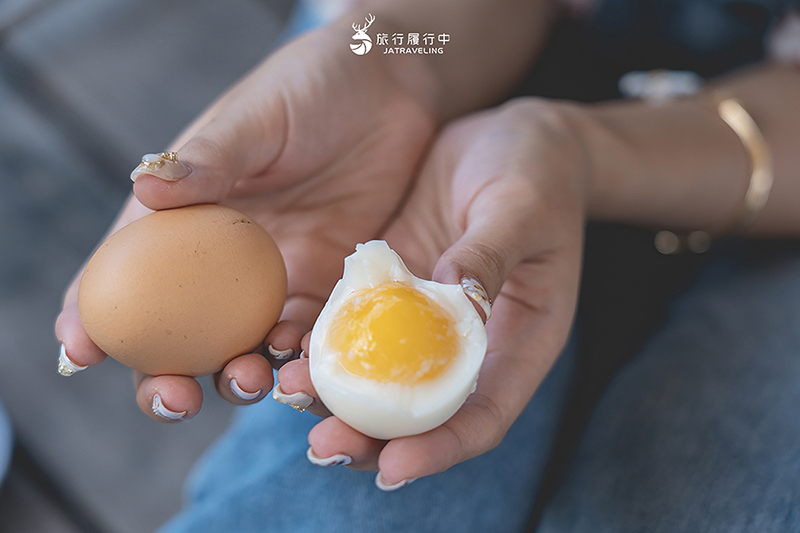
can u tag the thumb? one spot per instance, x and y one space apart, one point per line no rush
481 259
227 144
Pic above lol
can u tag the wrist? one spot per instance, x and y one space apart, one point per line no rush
558 144
608 162
675 165
466 75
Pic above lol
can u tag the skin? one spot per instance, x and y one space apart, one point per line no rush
515 185
259 163
482 183
502 195
362 116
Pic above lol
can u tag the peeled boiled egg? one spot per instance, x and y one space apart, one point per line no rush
391 354
183 291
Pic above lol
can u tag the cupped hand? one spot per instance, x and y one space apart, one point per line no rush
501 199
316 144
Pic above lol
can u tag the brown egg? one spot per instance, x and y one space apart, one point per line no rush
183 291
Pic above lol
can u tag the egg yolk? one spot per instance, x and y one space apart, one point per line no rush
394 333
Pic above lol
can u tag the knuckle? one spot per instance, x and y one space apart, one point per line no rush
481 431
207 146
544 119
490 262
492 418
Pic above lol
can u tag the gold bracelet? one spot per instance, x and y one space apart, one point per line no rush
736 116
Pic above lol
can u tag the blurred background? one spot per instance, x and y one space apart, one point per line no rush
86 88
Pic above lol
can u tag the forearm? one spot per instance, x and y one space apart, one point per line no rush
492 45
679 165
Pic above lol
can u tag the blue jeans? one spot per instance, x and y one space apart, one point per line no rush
257 478
700 432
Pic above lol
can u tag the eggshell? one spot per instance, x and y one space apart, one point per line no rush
183 291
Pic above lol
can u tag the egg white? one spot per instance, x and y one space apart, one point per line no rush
391 410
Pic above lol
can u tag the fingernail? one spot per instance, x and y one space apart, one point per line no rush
164 165
65 365
299 400
388 487
333 460
303 355
475 291
280 354
243 394
161 410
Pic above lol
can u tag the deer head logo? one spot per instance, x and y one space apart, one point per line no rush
365 41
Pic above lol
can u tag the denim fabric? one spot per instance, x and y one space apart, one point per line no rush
700 433
257 479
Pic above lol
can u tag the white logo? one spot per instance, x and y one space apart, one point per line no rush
365 44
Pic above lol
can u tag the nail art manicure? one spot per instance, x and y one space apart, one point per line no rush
299 400
65 365
161 410
475 291
280 354
333 460
243 394
387 487
164 165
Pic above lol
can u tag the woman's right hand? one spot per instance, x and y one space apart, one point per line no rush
500 204
318 145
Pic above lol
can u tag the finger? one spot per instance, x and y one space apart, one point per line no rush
509 199
78 351
297 319
245 380
287 341
234 142
475 429
283 343
295 388
523 346
332 442
168 398
496 238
